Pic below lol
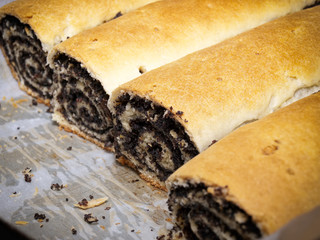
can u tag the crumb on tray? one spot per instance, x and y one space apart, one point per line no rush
85 204
39 217
21 222
27 174
89 218
57 187
73 230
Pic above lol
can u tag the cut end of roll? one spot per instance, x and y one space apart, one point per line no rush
204 212
149 137
26 58
80 102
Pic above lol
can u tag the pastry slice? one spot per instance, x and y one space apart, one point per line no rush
169 115
30 28
91 65
255 180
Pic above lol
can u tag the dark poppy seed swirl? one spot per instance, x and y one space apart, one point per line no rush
82 101
203 212
149 137
26 57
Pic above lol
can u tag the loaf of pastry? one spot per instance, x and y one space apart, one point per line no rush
253 181
168 115
92 64
30 28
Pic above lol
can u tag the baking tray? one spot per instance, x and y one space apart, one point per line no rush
134 210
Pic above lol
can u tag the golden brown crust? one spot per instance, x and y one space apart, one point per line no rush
164 31
239 80
67 128
125 162
33 94
271 166
54 21
152 182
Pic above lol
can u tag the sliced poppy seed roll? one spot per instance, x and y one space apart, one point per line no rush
168 115
255 180
30 28
26 57
82 103
121 50
150 139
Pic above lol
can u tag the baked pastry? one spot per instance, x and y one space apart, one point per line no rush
30 28
92 64
253 181
168 115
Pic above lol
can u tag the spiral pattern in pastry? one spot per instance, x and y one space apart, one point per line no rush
26 57
82 101
148 136
202 212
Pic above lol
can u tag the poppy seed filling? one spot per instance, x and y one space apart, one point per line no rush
149 137
82 100
203 212
26 56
